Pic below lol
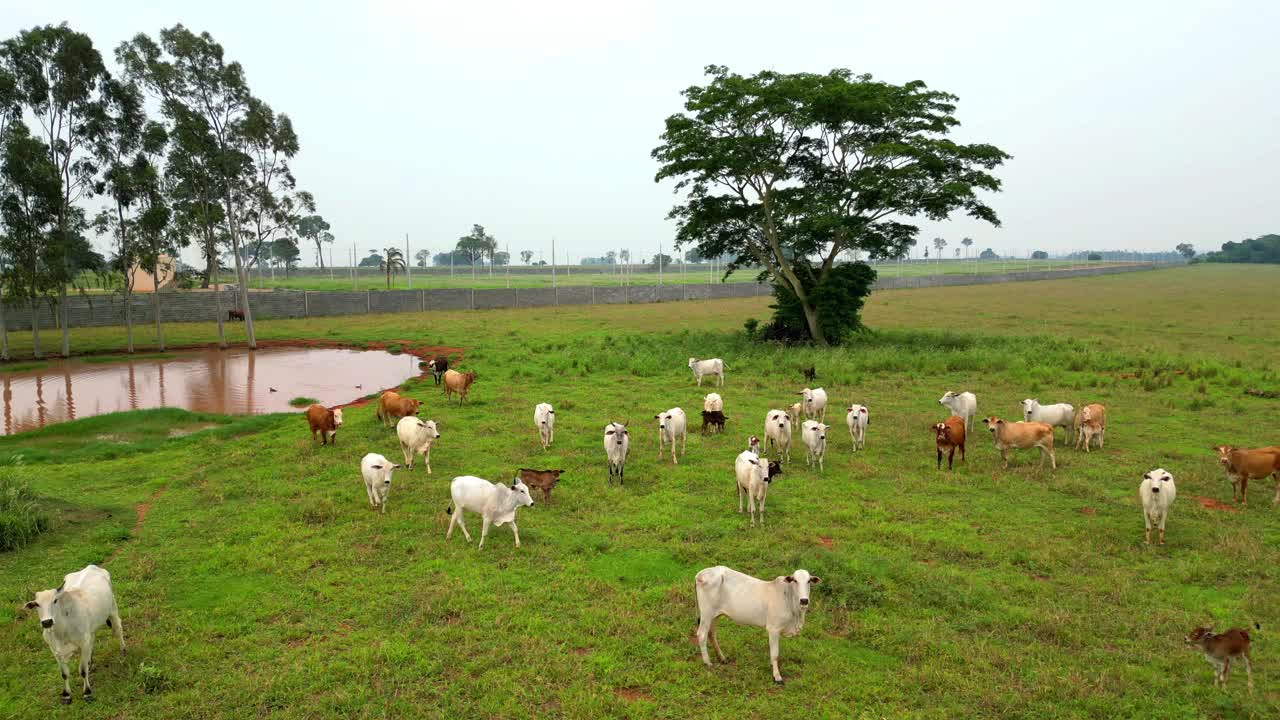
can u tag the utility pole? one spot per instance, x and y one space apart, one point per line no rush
553 262
508 266
659 260
408 274
331 261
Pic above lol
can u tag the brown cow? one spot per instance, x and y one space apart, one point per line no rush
324 421
1021 436
1244 465
456 382
392 406
1092 421
544 480
949 435
1220 650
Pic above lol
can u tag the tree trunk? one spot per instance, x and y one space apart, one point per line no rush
66 322
815 327
211 262
241 274
4 330
128 317
35 328
320 254
156 301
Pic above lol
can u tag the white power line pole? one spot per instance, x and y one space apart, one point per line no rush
553 262
408 274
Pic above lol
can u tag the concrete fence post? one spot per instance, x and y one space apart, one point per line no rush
593 294
306 304
422 300
473 298
368 301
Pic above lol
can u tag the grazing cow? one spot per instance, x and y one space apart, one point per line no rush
713 420
1220 649
495 502
713 402
814 436
1156 492
1021 436
754 474
779 606
795 414
1092 421
714 366
777 432
438 365
753 444
235 315
393 406
544 418
949 435
1244 465
71 614
858 419
376 471
324 421
460 383
810 374
964 404
616 445
416 438
1061 415
544 480
672 426
815 404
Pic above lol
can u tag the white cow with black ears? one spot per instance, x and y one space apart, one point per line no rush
779 606
495 502
71 614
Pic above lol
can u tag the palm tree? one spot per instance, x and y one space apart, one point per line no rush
393 260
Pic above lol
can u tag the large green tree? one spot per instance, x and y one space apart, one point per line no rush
315 228
59 78
477 245
201 91
786 171
1262 249
29 206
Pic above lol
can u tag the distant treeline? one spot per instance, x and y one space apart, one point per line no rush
1262 249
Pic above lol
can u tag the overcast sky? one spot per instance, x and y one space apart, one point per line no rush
1132 125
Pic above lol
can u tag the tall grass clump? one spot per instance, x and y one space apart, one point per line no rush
21 519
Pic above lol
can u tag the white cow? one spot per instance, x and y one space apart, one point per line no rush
713 402
814 436
416 438
714 366
544 418
779 606
858 419
1157 492
672 426
754 474
495 502
71 614
964 404
616 444
1060 415
815 404
777 432
376 470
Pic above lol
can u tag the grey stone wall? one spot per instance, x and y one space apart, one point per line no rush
193 306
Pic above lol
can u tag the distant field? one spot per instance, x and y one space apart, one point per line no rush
370 279
254 580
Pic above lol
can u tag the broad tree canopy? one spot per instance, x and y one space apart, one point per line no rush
789 170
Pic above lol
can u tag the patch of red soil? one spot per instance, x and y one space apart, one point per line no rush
580 651
1088 511
140 516
1209 503
826 542
632 694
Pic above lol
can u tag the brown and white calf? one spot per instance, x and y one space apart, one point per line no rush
1220 649
544 480
460 383
392 406
1244 465
324 421
1093 423
1022 436
949 435
438 365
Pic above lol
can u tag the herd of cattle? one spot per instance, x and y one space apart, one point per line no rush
73 612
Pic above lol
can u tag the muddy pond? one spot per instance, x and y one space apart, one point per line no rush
232 382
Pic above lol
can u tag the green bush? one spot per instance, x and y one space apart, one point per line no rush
21 518
838 299
303 402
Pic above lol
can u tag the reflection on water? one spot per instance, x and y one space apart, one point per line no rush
218 381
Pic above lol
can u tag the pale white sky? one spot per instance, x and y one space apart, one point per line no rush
1133 125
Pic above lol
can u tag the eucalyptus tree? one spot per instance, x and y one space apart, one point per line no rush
58 79
526 256
966 242
9 113
271 201
201 91
939 244
29 206
477 245
786 171
316 229
118 150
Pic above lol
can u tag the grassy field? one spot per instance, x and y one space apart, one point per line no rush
371 279
254 579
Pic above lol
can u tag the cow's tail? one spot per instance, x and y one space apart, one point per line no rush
449 510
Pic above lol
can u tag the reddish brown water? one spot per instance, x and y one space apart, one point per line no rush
232 382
